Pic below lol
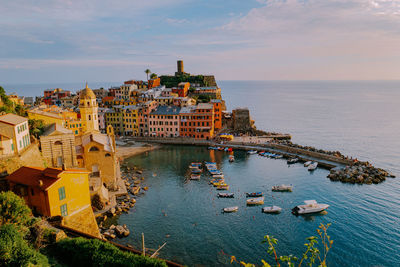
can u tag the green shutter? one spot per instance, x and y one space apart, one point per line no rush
61 193
64 210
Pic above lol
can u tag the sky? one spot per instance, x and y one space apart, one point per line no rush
100 40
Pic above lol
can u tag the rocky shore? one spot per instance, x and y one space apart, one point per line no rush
360 173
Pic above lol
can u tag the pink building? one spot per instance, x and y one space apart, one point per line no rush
164 121
143 113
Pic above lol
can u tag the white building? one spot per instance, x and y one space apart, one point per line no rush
126 90
14 134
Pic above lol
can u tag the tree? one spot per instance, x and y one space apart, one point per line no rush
153 76
147 71
15 251
36 127
13 210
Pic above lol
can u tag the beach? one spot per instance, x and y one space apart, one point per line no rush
124 152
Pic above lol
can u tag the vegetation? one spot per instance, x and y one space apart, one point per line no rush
36 127
173 81
15 218
8 106
310 257
153 76
84 252
147 71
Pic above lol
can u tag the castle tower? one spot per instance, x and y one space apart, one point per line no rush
88 108
180 66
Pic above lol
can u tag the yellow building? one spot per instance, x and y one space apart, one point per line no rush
16 99
89 110
53 114
57 192
131 120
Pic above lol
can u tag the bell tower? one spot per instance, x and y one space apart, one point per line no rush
89 110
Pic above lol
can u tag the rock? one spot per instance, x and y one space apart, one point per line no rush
112 210
112 227
121 231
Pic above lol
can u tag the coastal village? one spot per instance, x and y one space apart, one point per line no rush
60 151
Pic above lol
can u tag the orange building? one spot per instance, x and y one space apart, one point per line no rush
197 121
153 83
217 114
182 89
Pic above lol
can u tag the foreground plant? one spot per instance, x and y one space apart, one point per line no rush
310 257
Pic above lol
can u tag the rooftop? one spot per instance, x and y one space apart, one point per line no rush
204 106
166 110
56 128
12 119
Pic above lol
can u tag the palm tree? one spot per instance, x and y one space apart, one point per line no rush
147 71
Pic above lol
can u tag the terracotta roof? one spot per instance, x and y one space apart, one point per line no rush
12 119
31 176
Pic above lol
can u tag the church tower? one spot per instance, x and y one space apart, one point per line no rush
88 108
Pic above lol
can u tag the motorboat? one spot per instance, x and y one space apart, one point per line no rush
218 176
254 194
272 209
217 183
226 195
279 156
195 165
196 170
313 166
230 209
307 163
231 158
223 187
310 206
255 201
252 152
292 160
282 188
195 177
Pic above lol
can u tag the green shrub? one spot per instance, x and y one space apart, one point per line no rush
13 210
15 251
80 251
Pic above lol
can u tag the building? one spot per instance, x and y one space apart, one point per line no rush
53 96
183 101
89 110
102 118
114 117
182 89
153 83
241 120
57 192
108 101
143 112
131 120
126 90
58 146
165 100
164 121
139 84
28 100
151 94
68 101
16 100
100 94
54 114
197 121
211 91
217 103
115 92
14 134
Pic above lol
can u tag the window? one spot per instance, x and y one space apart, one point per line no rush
63 209
93 148
12 147
61 193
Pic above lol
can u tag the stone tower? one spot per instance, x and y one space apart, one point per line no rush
180 66
88 108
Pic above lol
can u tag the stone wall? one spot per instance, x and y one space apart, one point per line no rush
55 146
83 221
241 120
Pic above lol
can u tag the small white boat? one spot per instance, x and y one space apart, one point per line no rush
195 177
279 156
282 188
251 152
231 209
313 166
255 201
307 163
273 209
292 160
310 206
231 158
218 176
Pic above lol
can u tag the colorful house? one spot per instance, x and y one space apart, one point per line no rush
131 120
14 134
197 121
54 96
56 192
164 121
182 89
144 111
217 103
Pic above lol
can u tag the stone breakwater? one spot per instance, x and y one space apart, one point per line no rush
360 173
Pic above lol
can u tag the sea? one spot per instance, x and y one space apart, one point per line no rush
358 118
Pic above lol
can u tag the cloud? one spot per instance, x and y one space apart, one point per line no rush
176 21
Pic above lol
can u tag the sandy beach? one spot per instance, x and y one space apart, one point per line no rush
132 150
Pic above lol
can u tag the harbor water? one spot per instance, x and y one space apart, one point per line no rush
360 119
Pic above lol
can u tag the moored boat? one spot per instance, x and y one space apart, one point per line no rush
292 160
254 194
307 163
230 209
251 152
231 158
226 195
282 188
310 206
223 187
255 201
272 209
313 166
195 177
